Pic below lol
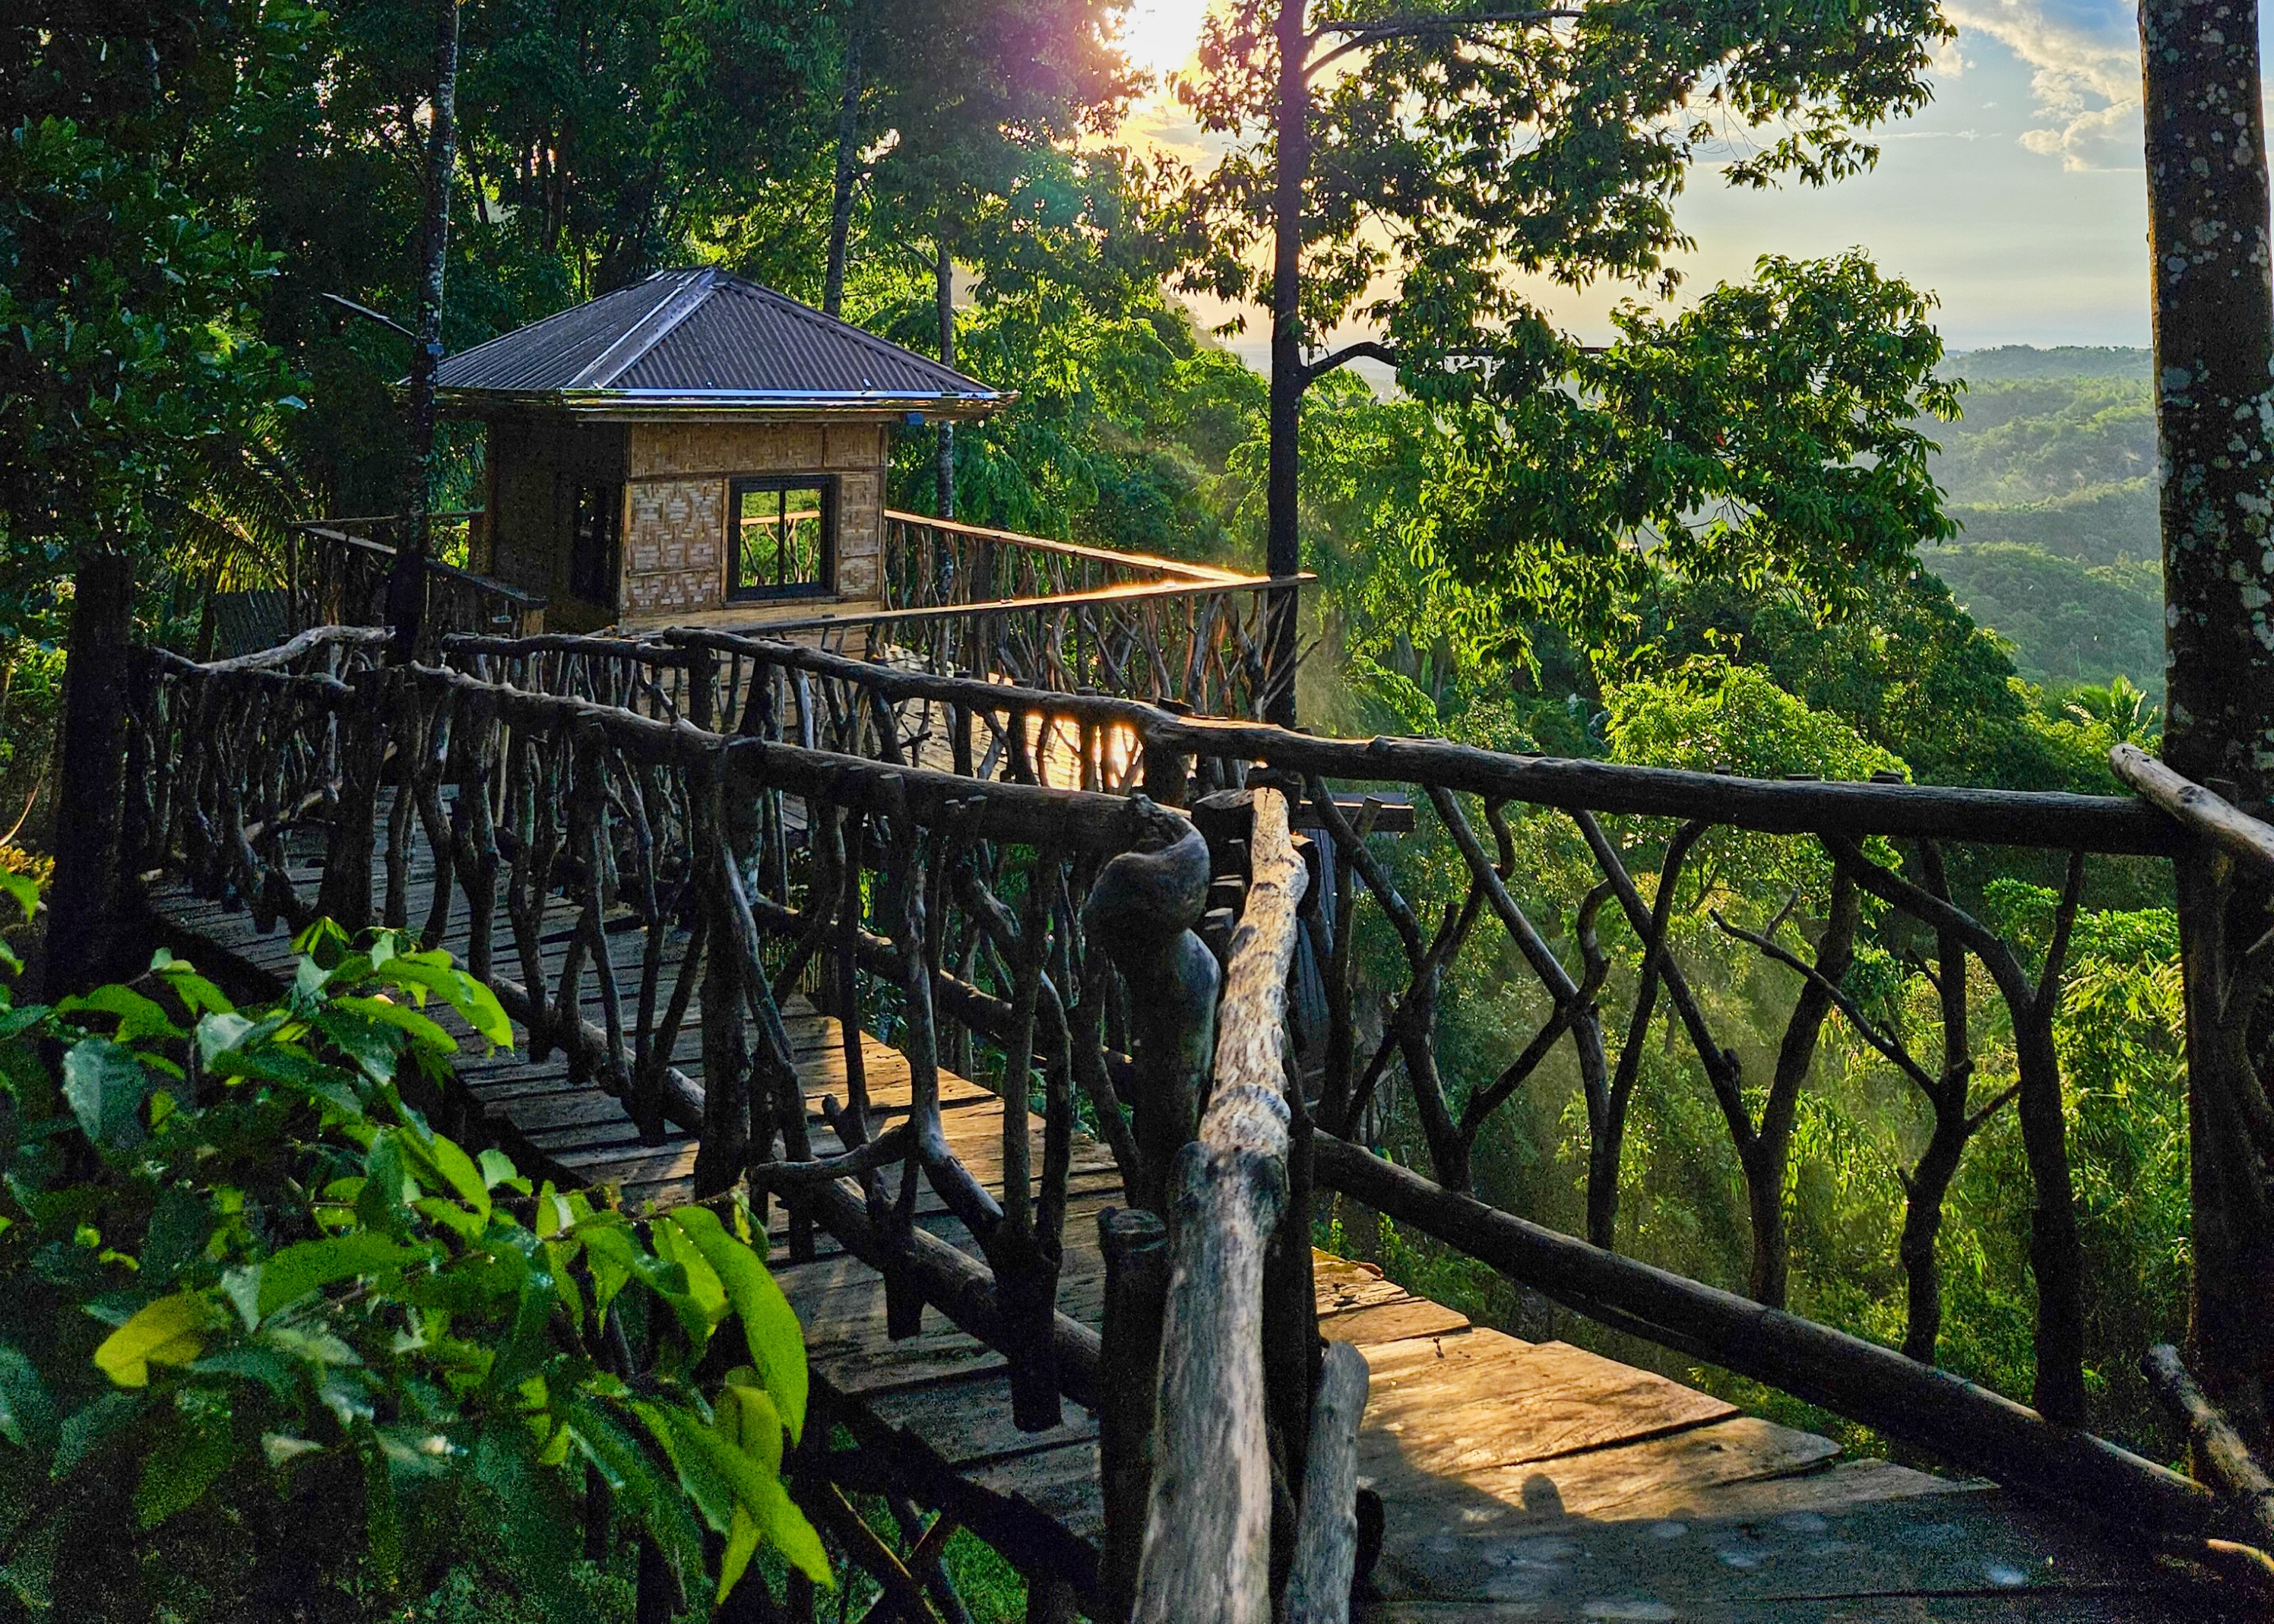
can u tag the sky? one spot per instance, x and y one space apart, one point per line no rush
2017 196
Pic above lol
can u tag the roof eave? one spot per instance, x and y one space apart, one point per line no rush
626 405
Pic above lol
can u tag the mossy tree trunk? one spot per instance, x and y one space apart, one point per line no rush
2214 314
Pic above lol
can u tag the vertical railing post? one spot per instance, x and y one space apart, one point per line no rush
344 897
1141 910
1135 1246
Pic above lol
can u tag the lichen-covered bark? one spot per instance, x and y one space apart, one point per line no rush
2206 147
2207 196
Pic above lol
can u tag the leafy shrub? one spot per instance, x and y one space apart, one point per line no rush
253 1304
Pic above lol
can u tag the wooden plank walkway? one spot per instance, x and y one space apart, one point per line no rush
1521 1481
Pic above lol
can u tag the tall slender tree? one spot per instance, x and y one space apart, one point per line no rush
406 586
2214 312
1401 168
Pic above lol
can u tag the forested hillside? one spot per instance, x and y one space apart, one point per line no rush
2049 475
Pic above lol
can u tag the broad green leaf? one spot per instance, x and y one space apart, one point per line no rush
769 1325
421 973
457 1170
273 1371
531 1503
105 1086
22 889
497 1169
419 1028
735 1559
197 994
641 1490
779 1518
383 1201
89 1427
138 1017
293 1273
191 1453
705 1289
169 1331
26 1413
374 1048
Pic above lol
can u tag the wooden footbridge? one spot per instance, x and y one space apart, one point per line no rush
1031 1021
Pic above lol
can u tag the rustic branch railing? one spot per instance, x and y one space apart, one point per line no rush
336 573
932 563
1361 1054
1196 644
778 815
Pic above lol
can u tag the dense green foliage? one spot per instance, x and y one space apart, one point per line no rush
244 1275
1716 543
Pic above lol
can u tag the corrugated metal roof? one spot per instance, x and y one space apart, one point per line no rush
710 338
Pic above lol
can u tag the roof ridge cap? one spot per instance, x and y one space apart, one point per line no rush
649 331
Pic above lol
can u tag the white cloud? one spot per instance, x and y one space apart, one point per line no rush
2085 73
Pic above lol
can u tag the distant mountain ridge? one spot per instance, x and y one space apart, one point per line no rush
2012 362
2049 471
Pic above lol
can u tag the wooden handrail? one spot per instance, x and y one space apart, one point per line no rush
2199 810
1208 1525
2108 823
1142 591
1068 549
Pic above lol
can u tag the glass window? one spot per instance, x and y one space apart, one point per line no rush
783 537
596 544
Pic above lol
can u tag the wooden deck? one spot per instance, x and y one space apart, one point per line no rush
1522 1481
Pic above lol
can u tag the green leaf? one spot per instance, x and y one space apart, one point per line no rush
272 1371
420 974
374 1047
382 1202
89 1427
138 1017
497 1169
169 1331
768 1324
27 1414
295 1272
454 1168
22 889
191 1453
419 1028
534 1514
197 994
704 1290
105 1086
777 1516
640 1489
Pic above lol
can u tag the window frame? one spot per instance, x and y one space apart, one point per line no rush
737 488
610 508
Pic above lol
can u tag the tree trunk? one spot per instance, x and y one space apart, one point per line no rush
840 204
1769 1157
2208 237
407 581
1284 549
943 286
82 904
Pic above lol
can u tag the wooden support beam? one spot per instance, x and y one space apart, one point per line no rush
1207 1528
1326 1539
2199 810
2218 1446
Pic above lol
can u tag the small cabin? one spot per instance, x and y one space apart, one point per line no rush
692 449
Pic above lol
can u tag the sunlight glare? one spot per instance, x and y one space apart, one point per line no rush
1161 36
